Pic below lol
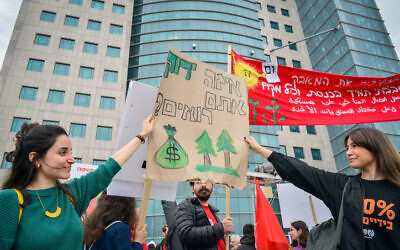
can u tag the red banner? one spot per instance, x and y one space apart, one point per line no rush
281 95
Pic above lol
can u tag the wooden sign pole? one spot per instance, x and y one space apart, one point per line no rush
313 210
144 202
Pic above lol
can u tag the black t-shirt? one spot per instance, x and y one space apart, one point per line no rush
381 221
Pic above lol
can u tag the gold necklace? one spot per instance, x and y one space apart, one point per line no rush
47 213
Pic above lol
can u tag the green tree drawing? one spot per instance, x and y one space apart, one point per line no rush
205 147
273 108
224 142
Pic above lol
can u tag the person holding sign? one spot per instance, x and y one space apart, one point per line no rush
42 213
197 223
372 198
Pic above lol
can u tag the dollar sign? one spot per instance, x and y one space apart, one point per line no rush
172 155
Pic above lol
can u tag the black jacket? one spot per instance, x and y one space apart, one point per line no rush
328 187
247 242
194 228
169 208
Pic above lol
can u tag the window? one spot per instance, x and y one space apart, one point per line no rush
71 21
120 9
262 24
48 122
42 39
17 123
77 130
78 160
90 48
104 133
295 129
86 72
61 69
274 25
296 64
311 130
56 96
113 51
110 76
82 100
115 29
76 2
265 39
5 164
285 12
48 16
35 65
94 25
67 44
281 60
28 93
97 5
288 28
271 8
282 149
292 46
277 42
316 154
98 162
298 152
107 102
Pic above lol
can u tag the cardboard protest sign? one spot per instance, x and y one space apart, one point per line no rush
79 169
281 95
129 180
201 117
295 205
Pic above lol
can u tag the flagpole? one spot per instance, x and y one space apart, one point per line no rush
228 190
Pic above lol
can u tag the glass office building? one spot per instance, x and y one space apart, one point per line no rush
360 47
202 30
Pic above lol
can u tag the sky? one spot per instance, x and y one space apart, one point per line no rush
9 11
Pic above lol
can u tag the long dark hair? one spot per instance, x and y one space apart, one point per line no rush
304 233
109 209
387 156
32 137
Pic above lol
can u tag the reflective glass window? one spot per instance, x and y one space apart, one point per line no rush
35 65
295 129
94 25
316 154
271 8
17 123
115 29
97 5
277 42
288 28
28 93
61 69
48 122
292 46
120 9
90 48
104 133
107 102
77 130
42 39
86 72
274 25
296 64
281 60
98 162
76 2
5 164
67 44
82 100
282 149
48 16
78 160
285 12
71 21
311 130
298 152
113 51
110 76
56 96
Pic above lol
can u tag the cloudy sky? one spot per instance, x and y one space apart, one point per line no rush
9 11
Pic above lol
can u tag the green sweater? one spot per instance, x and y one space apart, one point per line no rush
36 230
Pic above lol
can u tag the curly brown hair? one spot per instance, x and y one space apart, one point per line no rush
109 208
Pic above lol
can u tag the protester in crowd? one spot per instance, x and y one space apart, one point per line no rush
51 210
248 241
172 241
197 223
235 241
377 187
299 235
109 225
163 244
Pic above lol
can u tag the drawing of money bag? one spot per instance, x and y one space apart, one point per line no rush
171 154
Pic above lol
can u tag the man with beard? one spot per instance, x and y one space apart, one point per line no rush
197 224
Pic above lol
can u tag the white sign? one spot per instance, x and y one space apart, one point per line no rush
78 170
295 205
129 181
271 72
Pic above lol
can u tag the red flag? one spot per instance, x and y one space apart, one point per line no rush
269 233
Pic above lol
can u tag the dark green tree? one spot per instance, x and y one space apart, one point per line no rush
224 143
205 147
